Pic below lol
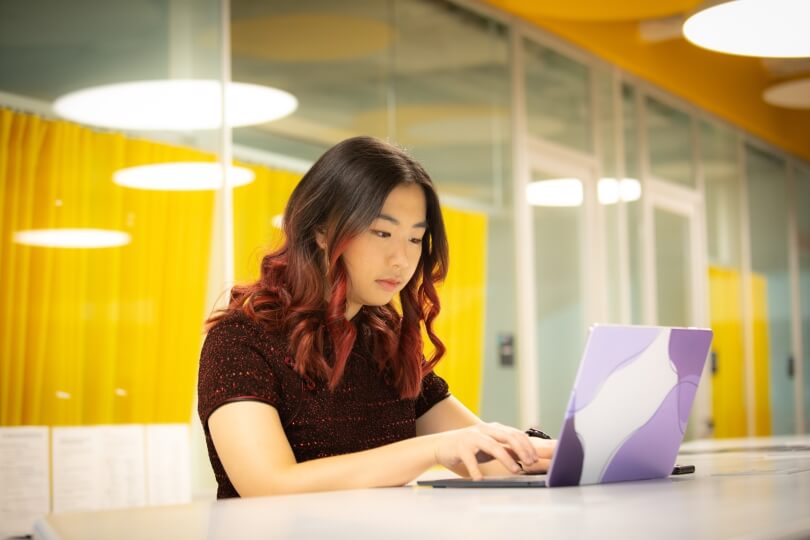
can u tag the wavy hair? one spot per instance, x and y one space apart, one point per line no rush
303 293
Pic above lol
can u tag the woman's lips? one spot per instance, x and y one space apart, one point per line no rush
389 285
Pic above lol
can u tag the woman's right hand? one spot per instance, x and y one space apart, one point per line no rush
484 442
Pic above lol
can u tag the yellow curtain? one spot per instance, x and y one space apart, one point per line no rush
762 355
92 336
255 207
460 324
728 384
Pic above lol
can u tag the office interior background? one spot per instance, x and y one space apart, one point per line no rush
594 167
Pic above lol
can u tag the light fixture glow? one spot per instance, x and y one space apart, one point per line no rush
568 191
181 176
764 28
610 190
555 192
278 221
72 238
180 104
792 94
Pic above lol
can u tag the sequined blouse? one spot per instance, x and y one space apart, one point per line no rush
241 360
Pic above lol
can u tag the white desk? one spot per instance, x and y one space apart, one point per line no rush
753 493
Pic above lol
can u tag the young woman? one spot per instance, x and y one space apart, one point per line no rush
312 379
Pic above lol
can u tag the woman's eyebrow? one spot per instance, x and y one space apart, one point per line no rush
395 221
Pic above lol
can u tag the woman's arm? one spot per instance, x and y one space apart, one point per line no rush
451 414
257 457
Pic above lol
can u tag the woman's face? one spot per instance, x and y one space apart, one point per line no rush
381 260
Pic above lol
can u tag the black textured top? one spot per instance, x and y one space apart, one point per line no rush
241 360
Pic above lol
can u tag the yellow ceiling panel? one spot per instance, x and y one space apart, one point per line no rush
598 10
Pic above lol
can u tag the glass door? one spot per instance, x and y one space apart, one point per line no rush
676 282
766 181
563 198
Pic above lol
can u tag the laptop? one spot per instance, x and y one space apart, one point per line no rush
628 409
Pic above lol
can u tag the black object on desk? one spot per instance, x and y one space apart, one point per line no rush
683 469
531 432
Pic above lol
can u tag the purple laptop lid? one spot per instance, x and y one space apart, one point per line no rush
630 403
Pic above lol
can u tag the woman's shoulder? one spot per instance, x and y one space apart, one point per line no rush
238 326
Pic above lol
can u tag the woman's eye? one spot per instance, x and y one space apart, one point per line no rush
416 240
381 234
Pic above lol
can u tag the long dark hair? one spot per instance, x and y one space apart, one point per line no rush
340 196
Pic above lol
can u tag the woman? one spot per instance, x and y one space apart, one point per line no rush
311 379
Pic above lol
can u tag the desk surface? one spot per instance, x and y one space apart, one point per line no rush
751 488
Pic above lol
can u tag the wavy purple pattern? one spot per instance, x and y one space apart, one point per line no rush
608 349
567 467
688 350
651 450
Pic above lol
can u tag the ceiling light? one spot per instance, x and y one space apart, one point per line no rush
765 28
72 238
181 176
793 94
174 105
568 191
555 192
610 190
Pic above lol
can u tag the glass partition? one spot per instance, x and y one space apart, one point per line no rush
632 169
669 140
451 91
803 213
610 194
721 168
767 203
335 58
558 105
673 266
559 302
382 69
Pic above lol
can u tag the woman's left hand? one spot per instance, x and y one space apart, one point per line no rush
545 450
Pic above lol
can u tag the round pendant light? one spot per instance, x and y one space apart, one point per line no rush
72 238
181 176
764 28
183 104
792 94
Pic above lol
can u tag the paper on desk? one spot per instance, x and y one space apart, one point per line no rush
123 469
168 464
98 467
24 496
77 457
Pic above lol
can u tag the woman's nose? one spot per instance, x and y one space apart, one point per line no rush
399 256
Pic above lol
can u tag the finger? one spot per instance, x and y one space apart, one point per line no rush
515 439
538 467
523 444
472 466
496 450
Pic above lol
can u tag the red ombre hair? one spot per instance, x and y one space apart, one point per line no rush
339 197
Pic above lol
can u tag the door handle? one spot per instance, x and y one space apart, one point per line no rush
791 368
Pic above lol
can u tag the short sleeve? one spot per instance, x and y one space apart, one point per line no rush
434 390
234 367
